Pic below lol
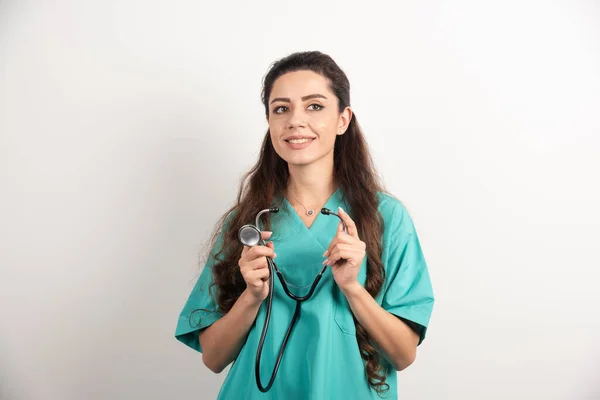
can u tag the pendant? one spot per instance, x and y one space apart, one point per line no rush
310 212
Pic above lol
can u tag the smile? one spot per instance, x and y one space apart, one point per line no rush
298 143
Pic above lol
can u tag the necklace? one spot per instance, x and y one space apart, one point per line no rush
309 212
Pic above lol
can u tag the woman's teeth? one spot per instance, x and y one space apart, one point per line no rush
298 141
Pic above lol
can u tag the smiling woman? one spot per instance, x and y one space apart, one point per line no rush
372 304
310 122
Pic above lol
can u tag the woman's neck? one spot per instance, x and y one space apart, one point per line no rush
311 184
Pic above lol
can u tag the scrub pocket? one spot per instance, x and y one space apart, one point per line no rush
342 314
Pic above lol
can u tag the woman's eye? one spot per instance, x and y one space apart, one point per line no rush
315 107
279 109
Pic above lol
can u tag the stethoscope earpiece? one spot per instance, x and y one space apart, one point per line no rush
327 211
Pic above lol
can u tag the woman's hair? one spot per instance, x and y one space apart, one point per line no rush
354 174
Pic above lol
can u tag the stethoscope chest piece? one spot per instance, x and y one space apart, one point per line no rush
249 235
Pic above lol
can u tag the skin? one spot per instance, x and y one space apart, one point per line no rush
302 104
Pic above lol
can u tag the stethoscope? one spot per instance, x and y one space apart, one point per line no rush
250 236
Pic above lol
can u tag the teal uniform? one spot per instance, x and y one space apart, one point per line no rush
322 359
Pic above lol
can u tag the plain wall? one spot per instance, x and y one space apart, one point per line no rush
126 125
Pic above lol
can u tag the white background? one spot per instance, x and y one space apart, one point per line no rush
125 127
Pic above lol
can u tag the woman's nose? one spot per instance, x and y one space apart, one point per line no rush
297 118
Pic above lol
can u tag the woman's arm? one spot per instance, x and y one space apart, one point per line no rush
394 338
221 342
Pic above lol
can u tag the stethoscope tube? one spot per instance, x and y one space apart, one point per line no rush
250 236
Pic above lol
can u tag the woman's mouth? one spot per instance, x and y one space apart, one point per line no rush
300 143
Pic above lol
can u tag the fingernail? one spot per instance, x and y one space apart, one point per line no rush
268 233
342 210
274 255
325 262
326 253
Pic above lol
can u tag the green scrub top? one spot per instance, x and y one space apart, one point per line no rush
322 359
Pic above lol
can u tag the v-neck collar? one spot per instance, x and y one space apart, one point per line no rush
332 203
323 226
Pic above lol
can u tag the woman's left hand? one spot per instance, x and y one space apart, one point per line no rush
345 253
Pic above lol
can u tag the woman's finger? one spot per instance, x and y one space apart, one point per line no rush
264 235
332 244
352 231
347 239
335 257
346 255
262 274
340 238
340 251
258 263
259 251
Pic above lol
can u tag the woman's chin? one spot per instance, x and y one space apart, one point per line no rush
299 163
303 160
297 159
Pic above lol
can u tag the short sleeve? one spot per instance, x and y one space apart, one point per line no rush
200 309
408 291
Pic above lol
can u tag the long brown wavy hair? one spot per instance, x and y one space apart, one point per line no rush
354 173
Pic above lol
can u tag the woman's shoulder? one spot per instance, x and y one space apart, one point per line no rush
393 212
390 205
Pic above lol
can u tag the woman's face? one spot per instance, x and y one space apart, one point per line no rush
303 117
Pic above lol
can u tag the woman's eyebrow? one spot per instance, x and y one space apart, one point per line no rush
310 96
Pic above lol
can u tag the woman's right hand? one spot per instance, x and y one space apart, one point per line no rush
254 267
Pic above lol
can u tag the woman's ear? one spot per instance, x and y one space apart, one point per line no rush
344 120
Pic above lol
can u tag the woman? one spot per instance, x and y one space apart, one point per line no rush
370 310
